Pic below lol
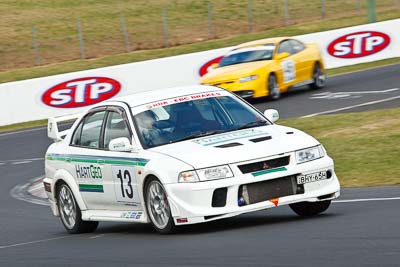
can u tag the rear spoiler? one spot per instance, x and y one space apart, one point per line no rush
52 126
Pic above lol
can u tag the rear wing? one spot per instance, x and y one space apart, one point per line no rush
52 126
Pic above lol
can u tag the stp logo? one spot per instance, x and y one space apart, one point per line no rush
205 68
359 44
81 92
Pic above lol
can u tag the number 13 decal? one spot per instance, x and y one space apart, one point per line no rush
125 184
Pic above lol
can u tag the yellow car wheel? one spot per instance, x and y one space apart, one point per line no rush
319 77
274 92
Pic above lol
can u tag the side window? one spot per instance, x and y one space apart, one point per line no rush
90 132
76 139
285 47
297 46
115 128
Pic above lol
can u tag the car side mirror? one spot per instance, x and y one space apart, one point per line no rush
121 144
271 115
282 55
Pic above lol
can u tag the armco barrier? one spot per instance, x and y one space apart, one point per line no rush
72 92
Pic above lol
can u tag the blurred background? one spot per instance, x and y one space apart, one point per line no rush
51 31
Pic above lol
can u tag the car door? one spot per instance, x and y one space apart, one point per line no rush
86 162
302 60
289 65
121 167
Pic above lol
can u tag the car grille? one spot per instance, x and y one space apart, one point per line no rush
264 165
267 190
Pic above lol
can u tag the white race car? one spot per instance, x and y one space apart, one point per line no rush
181 156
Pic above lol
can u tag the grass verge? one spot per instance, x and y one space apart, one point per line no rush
365 146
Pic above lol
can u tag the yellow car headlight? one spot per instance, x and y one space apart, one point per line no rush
248 78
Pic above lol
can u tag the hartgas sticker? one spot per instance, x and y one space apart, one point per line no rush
81 92
358 44
93 172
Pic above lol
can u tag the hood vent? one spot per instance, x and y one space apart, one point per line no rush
229 145
260 139
289 132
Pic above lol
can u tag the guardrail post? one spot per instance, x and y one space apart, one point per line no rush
371 11
250 14
211 32
165 27
126 34
323 9
286 11
35 43
81 42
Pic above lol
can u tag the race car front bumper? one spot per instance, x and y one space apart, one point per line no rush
211 200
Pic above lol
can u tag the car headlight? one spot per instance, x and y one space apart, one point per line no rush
309 154
248 78
213 173
188 177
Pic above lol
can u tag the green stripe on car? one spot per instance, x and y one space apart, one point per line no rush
100 160
258 173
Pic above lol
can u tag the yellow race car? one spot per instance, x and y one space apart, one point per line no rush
268 67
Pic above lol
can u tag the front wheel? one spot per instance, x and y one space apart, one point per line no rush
319 78
158 207
310 208
70 213
274 92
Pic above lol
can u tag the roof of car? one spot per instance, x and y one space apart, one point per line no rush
275 40
146 97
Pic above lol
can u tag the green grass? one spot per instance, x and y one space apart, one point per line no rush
187 21
365 146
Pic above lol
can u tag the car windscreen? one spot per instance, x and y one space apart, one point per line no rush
243 56
195 118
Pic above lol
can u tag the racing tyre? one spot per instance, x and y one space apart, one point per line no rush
274 92
70 213
158 208
319 78
310 208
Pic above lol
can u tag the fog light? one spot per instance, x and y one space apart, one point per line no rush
329 174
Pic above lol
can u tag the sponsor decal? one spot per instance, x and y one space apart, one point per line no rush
132 215
221 138
182 99
262 172
81 92
206 66
85 172
358 44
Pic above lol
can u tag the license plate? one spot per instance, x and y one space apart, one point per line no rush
310 178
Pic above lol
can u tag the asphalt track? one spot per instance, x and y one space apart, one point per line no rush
361 229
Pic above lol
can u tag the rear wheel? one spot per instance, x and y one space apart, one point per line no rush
319 77
274 92
70 213
310 208
158 207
